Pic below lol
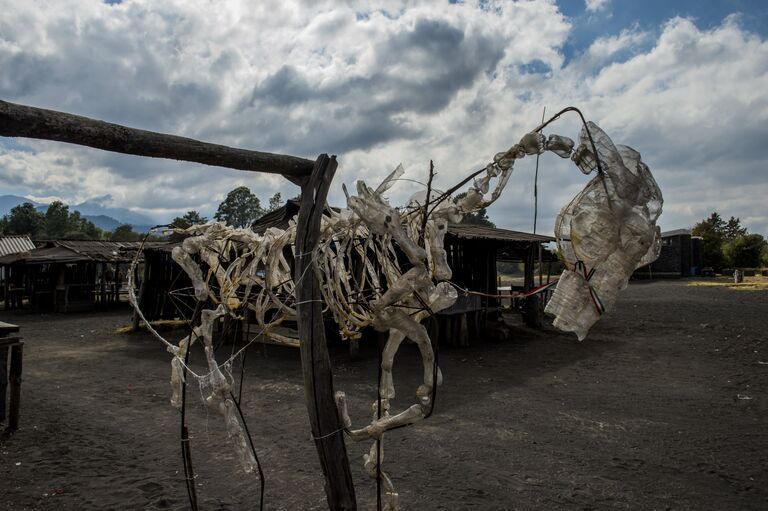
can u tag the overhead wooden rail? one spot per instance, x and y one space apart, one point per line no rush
314 177
30 122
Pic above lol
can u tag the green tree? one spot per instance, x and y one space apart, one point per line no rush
124 233
712 230
275 202
189 219
733 229
82 228
25 219
479 217
239 208
745 251
56 220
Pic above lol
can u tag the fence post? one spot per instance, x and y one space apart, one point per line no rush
315 362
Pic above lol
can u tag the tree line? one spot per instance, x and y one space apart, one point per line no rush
240 208
56 222
728 244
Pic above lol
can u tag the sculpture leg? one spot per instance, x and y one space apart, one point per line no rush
387 386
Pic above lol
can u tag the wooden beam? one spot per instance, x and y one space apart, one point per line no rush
26 121
327 429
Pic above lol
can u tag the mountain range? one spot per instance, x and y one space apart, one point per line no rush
104 217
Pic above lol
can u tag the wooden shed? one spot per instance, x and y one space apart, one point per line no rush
474 252
73 275
12 279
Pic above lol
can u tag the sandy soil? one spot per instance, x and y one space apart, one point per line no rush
664 406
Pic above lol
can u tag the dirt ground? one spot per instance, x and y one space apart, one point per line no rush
664 406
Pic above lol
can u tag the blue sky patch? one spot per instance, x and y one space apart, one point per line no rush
650 15
535 67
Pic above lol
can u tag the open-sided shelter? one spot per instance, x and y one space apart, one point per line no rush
12 286
72 275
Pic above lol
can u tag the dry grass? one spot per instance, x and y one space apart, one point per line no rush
161 324
756 283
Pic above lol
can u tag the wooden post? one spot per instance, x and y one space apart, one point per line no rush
6 284
532 311
14 377
528 279
316 365
140 298
103 285
3 380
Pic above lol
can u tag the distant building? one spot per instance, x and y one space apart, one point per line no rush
69 275
13 244
681 256
12 284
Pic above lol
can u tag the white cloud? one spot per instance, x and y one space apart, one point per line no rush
596 5
605 47
448 82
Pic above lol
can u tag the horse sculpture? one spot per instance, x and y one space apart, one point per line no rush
386 267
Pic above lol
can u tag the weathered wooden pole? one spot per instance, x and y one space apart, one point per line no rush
26 121
316 365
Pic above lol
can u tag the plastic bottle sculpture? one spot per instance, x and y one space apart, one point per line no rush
603 235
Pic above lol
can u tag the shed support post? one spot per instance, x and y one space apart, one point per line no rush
532 313
103 286
326 426
3 380
142 290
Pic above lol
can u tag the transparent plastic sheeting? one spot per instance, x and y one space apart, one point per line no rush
605 233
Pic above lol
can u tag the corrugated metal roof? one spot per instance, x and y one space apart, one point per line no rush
15 244
53 255
161 247
480 232
108 251
50 254
71 251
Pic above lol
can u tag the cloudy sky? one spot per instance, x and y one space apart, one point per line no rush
684 82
